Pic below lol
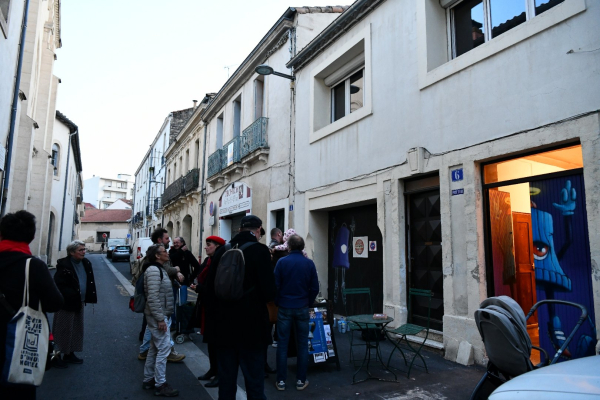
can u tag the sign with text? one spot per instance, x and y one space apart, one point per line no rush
359 247
236 198
457 175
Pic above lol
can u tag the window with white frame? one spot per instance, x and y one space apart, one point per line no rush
4 11
474 22
347 95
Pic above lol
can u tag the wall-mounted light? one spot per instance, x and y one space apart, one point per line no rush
264 69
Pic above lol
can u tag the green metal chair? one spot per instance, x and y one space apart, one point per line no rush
352 327
411 329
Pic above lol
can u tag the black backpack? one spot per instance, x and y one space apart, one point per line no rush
229 280
137 302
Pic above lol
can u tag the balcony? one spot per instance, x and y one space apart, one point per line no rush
251 146
157 204
181 186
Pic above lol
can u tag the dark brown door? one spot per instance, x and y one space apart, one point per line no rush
425 256
525 293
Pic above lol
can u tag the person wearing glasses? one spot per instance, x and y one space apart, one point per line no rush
159 307
75 279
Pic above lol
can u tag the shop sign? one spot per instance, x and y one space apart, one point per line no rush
237 198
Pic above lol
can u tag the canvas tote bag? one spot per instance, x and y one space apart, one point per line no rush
26 343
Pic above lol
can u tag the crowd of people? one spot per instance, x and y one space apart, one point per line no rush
279 275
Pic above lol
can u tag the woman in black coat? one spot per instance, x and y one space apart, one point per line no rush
75 279
204 307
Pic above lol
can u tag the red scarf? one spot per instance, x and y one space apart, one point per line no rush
204 273
11 245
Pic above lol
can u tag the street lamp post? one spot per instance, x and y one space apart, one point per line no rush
265 69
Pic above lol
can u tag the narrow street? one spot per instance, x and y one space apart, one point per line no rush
111 369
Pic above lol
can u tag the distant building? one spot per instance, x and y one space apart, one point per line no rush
150 175
102 191
121 204
95 223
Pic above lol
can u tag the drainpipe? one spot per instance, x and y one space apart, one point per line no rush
62 214
202 190
150 179
13 113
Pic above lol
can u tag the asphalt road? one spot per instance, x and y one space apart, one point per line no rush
111 369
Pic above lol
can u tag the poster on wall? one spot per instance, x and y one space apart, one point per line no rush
359 247
562 263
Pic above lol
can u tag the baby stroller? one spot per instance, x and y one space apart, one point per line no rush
503 328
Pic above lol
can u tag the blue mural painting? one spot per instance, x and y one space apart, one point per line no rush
562 263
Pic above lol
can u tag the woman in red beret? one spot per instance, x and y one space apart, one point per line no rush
204 310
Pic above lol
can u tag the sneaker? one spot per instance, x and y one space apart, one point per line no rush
280 385
149 385
72 358
143 356
274 343
301 385
166 390
174 356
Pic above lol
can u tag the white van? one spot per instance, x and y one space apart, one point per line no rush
139 246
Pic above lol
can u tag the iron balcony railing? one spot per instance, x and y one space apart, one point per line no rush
254 137
185 184
173 191
214 163
191 180
230 152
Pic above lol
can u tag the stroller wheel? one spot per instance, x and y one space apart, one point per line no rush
179 339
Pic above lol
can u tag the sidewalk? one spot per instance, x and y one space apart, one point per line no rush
445 380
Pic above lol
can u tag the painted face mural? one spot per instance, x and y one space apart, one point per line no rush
562 262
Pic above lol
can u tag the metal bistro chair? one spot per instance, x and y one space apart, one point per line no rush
411 329
352 327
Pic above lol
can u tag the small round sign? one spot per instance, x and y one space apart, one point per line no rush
359 246
211 209
104 235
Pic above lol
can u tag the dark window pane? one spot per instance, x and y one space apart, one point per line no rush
356 91
468 26
339 103
506 14
544 5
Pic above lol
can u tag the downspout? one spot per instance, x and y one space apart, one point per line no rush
13 113
202 190
62 214
150 179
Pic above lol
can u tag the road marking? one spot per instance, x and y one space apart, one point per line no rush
195 359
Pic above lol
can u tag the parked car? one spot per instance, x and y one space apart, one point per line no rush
575 379
112 243
139 247
121 253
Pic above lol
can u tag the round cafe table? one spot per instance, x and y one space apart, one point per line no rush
365 322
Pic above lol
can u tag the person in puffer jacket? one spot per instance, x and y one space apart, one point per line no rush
159 307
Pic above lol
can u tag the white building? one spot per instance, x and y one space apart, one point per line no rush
242 138
102 191
66 206
464 148
121 204
150 176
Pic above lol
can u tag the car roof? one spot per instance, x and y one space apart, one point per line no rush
573 379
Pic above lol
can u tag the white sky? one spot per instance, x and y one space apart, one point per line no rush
125 64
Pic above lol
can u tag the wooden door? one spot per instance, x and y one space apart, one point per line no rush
524 287
425 234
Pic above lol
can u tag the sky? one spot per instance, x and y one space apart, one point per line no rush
125 65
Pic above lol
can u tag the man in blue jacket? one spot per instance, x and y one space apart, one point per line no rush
297 287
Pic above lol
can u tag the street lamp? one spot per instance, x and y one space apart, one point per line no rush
264 69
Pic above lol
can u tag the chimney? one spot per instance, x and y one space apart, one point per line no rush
195 103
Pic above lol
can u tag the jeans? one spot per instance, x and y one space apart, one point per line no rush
286 317
148 335
252 363
156 362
